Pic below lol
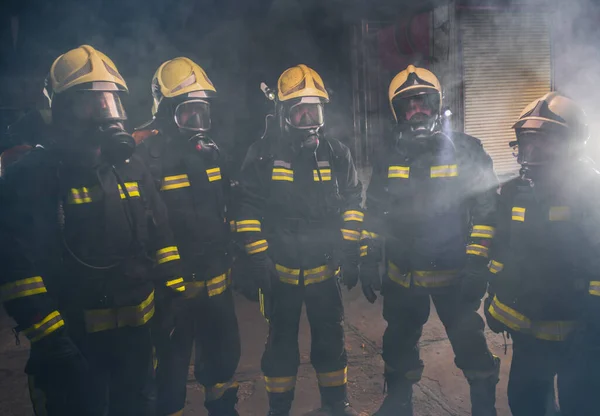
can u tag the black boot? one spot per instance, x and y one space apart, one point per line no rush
280 404
224 405
398 401
334 402
483 391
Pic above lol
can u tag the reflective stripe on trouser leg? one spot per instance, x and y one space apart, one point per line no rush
217 391
333 378
280 384
178 413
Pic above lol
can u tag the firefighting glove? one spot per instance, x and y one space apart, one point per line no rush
474 279
262 272
370 280
56 358
350 256
495 325
168 303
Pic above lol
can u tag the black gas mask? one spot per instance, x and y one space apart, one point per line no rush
417 115
541 151
92 125
302 120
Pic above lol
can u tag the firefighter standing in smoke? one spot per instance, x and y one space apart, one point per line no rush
84 230
544 259
189 170
298 189
430 195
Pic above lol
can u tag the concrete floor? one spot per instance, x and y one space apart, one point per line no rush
442 391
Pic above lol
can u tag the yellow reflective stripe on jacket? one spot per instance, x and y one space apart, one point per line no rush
594 288
280 384
368 235
214 174
559 214
364 251
518 214
217 285
399 172
257 247
444 171
281 174
177 285
318 275
325 175
352 215
495 266
167 254
287 275
175 182
546 330
133 190
97 320
45 327
334 378
478 250
245 226
395 275
80 196
350 235
22 288
217 391
483 231
434 278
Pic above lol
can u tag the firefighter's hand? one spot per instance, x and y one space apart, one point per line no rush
370 280
56 357
252 273
474 280
350 273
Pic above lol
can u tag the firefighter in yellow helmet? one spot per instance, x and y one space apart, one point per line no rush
191 173
299 219
431 193
544 286
86 248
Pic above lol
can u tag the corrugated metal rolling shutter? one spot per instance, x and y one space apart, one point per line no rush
506 65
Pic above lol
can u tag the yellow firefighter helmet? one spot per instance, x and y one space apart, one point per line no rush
84 65
414 81
554 111
300 81
180 77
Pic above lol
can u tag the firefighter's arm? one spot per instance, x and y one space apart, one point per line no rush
484 185
499 246
372 233
23 288
168 262
351 194
252 195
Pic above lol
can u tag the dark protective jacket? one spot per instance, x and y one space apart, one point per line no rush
433 202
50 209
544 260
196 189
302 207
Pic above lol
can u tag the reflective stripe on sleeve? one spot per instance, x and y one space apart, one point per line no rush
175 182
167 254
353 216
317 275
399 172
444 171
483 231
368 235
214 174
22 288
80 196
364 251
133 190
350 235
334 378
245 226
280 384
218 390
518 214
325 175
257 247
495 266
594 288
287 275
217 285
45 327
395 275
281 174
478 250
97 320
177 285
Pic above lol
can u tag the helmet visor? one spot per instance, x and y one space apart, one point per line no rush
94 106
193 115
540 147
307 114
416 108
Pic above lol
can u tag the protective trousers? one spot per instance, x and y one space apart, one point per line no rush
406 312
281 358
535 363
118 362
209 323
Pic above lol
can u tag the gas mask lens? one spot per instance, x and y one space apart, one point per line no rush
416 108
193 115
307 114
539 148
96 106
